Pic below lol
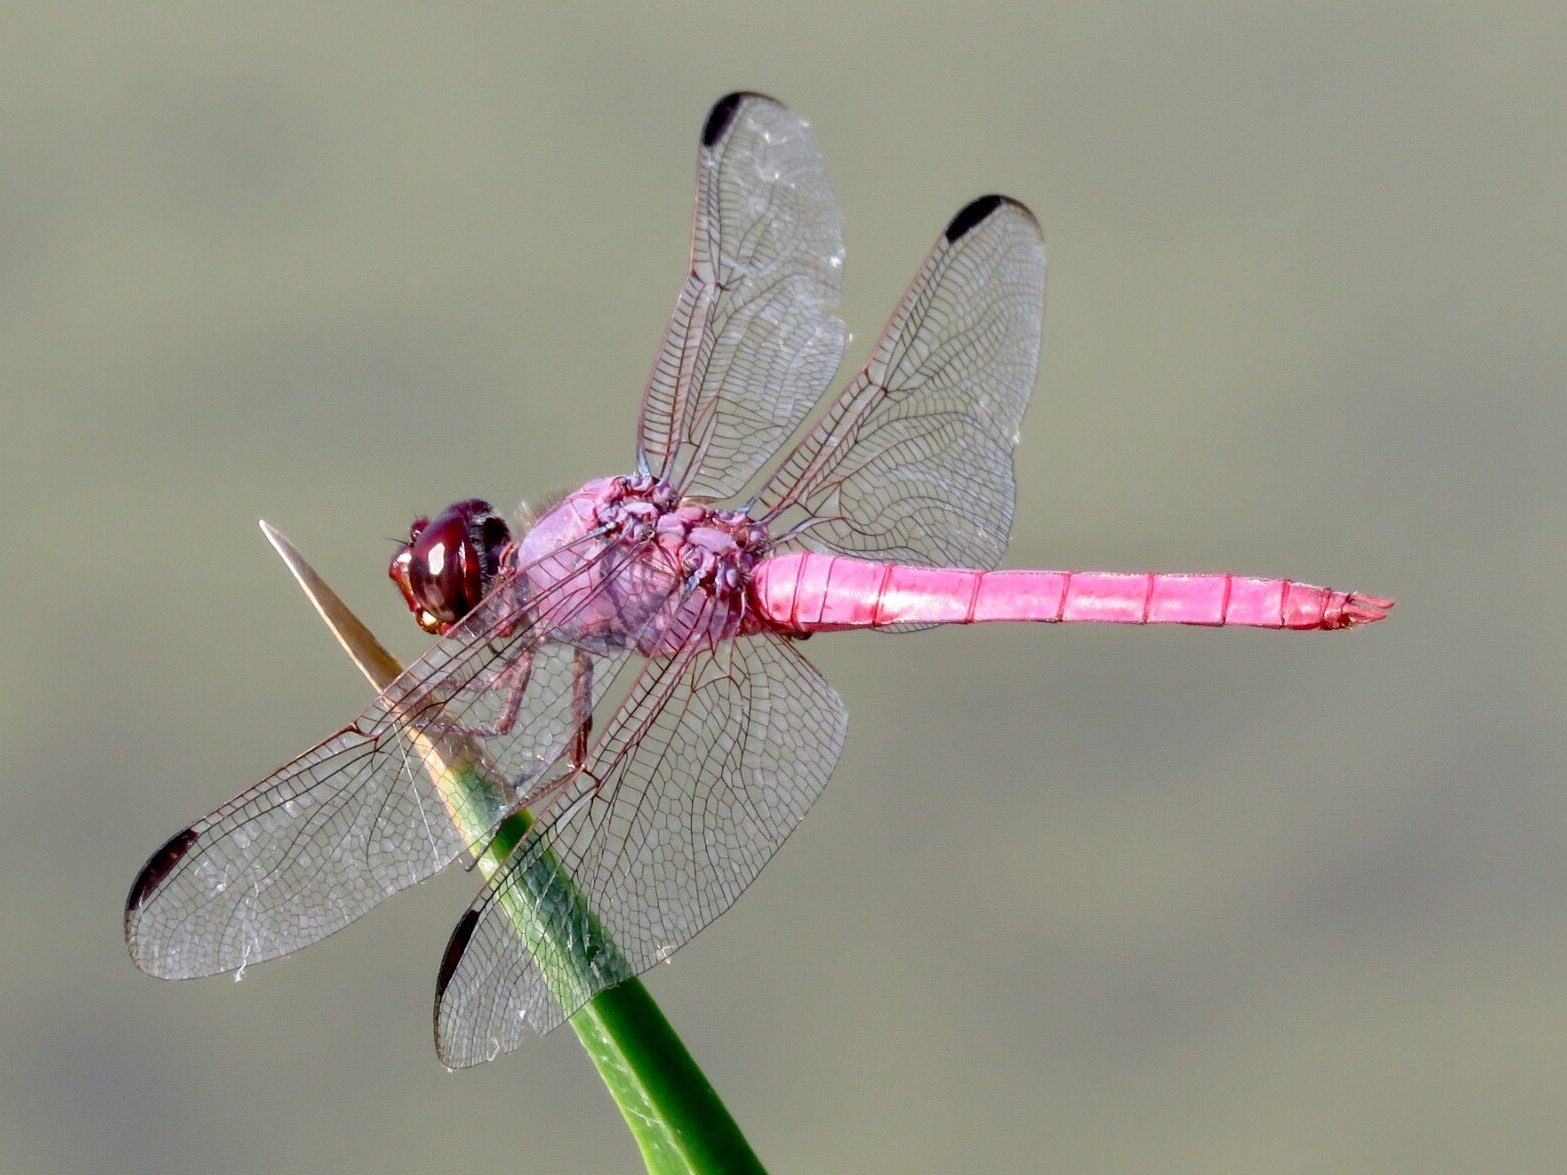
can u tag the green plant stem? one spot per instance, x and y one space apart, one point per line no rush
679 1121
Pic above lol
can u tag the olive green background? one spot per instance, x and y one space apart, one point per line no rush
1078 899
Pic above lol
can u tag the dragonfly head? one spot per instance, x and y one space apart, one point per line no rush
446 566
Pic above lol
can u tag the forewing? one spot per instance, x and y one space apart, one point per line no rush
709 765
752 343
356 818
913 461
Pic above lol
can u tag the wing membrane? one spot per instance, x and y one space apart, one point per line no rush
913 461
356 818
708 766
752 342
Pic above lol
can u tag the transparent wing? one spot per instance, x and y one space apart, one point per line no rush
709 765
913 461
752 343
356 818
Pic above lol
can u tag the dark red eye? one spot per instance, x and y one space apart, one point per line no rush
445 567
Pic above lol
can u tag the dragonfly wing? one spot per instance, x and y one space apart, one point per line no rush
358 817
913 461
752 343
708 766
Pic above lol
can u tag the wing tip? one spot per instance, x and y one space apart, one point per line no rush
157 868
977 211
152 875
455 946
721 117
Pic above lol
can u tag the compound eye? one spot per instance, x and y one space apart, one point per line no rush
447 564
444 570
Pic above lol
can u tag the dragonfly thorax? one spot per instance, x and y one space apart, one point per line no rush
640 565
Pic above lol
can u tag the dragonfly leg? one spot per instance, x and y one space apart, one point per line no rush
514 679
581 708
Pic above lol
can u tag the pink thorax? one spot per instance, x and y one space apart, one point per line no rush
624 561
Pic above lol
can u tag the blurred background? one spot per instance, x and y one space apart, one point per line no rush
1087 899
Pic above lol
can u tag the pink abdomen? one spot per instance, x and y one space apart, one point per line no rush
808 592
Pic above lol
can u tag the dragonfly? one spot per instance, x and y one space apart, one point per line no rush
690 580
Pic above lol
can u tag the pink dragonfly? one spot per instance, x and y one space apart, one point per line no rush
886 515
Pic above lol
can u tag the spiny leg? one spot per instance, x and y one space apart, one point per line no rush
514 679
581 707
